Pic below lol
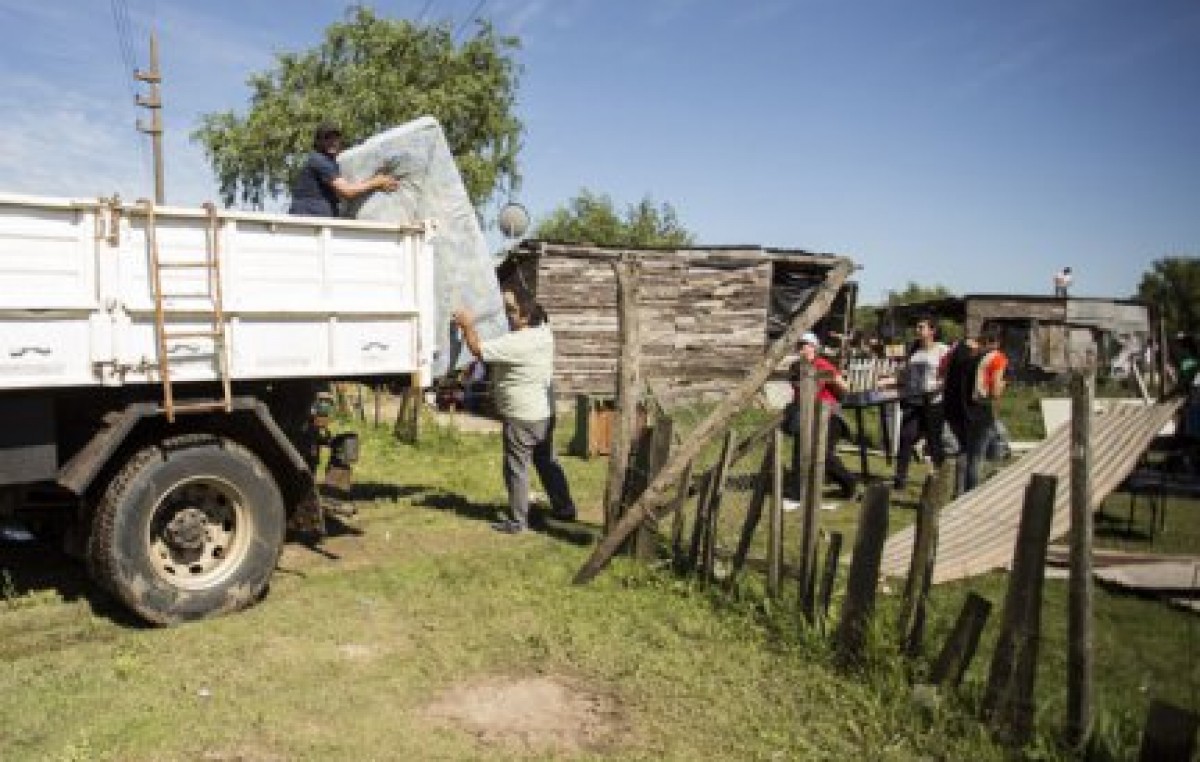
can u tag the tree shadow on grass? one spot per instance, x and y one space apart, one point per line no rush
574 532
385 491
30 568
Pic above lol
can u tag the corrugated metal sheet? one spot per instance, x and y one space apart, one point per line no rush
977 532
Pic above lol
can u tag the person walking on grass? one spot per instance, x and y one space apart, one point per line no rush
973 381
521 364
830 388
922 412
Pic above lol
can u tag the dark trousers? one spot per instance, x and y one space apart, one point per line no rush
532 440
835 470
973 440
920 421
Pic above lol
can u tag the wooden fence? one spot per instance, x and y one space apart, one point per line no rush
719 479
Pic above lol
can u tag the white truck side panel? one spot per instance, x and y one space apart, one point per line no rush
302 296
46 257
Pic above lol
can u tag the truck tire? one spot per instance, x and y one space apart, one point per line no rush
188 529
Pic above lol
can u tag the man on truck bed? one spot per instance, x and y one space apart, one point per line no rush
522 367
320 186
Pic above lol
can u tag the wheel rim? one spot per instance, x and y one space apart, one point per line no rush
199 532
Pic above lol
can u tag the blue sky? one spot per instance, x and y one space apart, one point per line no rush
976 144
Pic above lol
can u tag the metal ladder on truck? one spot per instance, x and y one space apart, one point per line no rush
167 328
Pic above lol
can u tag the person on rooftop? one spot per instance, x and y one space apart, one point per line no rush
1062 282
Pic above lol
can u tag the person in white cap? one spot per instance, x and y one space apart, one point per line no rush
831 386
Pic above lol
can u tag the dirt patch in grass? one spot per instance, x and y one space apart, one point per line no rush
543 713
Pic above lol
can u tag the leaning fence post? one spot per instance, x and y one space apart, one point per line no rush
653 449
803 457
864 576
954 660
408 416
628 395
775 522
1170 733
1161 358
703 494
810 506
832 553
713 485
920 569
762 487
1079 622
713 518
1008 701
678 560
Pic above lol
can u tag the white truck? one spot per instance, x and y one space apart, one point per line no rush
157 375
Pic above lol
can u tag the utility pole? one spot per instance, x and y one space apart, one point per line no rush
153 102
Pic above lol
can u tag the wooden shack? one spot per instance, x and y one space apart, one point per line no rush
705 312
1042 335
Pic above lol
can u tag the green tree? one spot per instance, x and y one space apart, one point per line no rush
592 218
369 74
915 293
866 317
1172 286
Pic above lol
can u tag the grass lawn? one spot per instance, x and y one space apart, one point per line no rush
367 645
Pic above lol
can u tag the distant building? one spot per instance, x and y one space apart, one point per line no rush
1042 335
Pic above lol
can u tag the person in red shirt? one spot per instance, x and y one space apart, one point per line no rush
831 386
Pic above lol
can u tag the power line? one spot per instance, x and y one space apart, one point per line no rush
470 17
120 13
424 10
124 33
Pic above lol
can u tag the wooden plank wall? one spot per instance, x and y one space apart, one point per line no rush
703 316
720 320
980 311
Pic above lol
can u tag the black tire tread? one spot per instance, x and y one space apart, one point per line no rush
101 555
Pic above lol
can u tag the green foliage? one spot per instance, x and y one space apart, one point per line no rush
1172 286
866 316
592 218
914 293
369 74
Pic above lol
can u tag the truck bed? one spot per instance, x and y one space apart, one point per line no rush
302 297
